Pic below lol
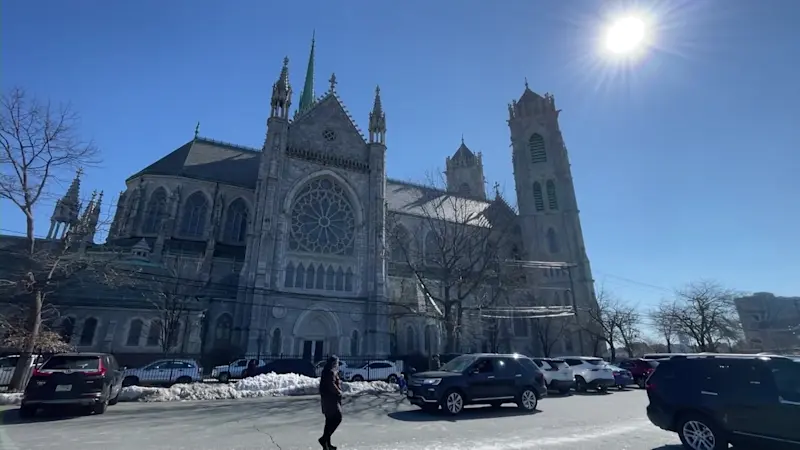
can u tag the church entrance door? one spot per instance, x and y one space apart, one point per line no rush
313 349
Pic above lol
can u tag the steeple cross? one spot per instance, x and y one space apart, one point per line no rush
497 188
79 172
333 82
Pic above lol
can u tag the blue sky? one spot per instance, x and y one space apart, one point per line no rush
684 160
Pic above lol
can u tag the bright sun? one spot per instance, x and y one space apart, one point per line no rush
625 36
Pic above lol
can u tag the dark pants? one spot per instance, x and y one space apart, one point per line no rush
332 421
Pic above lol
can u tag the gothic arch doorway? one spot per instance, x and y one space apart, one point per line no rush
316 334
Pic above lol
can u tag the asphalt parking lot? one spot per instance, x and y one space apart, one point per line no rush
377 422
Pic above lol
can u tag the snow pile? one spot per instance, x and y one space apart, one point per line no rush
13 398
268 385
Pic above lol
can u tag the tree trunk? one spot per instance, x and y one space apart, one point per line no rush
612 351
669 346
19 379
450 324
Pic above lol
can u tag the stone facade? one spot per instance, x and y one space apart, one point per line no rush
289 240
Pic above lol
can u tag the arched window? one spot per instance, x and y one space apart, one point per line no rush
320 281
399 244
552 241
300 276
552 200
339 279
88 331
330 279
174 337
67 329
322 219
155 212
193 221
289 278
154 333
432 251
310 277
557 299
134 333
538 199
430 339
236 222
568 345
354 343
536 148
411 344
348 280
222 330
276 346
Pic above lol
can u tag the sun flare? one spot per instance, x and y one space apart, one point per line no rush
625 36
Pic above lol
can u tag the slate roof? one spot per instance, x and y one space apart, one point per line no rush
210 160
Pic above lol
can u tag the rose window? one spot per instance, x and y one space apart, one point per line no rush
322 220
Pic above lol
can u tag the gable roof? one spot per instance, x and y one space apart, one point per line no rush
323 102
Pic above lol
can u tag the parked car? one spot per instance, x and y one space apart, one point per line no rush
320 365
491 379
639 368
372 371
225 373
622 378
590 373
91 380
9 363
713 401
557 374
282 366
164 372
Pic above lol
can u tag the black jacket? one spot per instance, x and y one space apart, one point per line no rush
330 392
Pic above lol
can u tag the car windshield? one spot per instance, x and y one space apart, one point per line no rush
72 363
594 362
458 364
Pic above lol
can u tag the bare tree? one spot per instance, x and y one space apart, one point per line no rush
705 312
548 331
457 265
630 321
604 321
39 142
665 323
14 331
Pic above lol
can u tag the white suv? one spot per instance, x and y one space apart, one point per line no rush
9 363
590 373
234 370
164 372
557 374
372 371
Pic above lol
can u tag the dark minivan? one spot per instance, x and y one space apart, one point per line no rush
483 379
711 401
91 380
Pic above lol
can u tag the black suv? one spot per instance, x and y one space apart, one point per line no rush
713 400
93 380
479 379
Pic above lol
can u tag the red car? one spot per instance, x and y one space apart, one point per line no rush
639 368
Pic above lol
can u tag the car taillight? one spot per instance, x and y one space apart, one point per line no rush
38 373
101 370
616 372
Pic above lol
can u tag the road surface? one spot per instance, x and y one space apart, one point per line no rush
591 422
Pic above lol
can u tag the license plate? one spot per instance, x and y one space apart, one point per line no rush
64 388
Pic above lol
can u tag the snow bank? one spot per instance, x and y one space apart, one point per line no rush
268 385
13 398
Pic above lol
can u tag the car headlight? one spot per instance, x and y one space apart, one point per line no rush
432 381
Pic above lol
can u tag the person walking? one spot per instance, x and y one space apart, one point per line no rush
330 392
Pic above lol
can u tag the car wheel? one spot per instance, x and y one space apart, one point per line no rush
580 384
453 402
357 378
392 379
527 400
115 400
620 387
698 432
130 381
100 408
27 411
183 380
601 389
224 377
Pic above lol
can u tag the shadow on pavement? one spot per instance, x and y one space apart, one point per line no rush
11 416
469 413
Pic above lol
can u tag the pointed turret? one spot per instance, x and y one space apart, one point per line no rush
465 172
377 120
281 94
67 209
307 97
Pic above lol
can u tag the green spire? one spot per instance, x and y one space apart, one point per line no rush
307 97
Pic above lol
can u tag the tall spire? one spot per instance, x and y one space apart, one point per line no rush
281 93
377 120
307 96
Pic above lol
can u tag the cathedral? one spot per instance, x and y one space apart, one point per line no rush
288 240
